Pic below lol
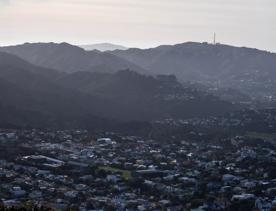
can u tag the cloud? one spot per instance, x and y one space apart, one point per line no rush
4 2
10 2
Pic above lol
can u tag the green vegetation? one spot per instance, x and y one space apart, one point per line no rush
125 173
271 137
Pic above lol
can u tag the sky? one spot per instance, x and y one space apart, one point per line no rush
139 23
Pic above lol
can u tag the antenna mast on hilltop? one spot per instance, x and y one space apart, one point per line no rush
214 42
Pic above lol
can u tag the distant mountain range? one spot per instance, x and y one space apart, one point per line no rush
40 97
247 70
61 85
103 47
69 58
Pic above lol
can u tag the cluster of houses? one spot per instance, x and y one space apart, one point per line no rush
73 169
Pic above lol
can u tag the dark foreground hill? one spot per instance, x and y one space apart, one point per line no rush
146 97
30 97
35 96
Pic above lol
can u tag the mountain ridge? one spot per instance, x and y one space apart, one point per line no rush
103 47
227 66
86 99
69 58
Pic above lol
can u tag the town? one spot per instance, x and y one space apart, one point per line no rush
81 170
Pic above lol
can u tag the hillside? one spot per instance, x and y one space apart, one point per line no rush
85 99
250 71
147 97
68 58
31 98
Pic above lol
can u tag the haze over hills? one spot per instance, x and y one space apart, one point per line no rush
147 97
68 58
215 66
244 69
40 97
103 47
31 98
100 126
199 61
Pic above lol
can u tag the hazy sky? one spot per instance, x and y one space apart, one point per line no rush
141 23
